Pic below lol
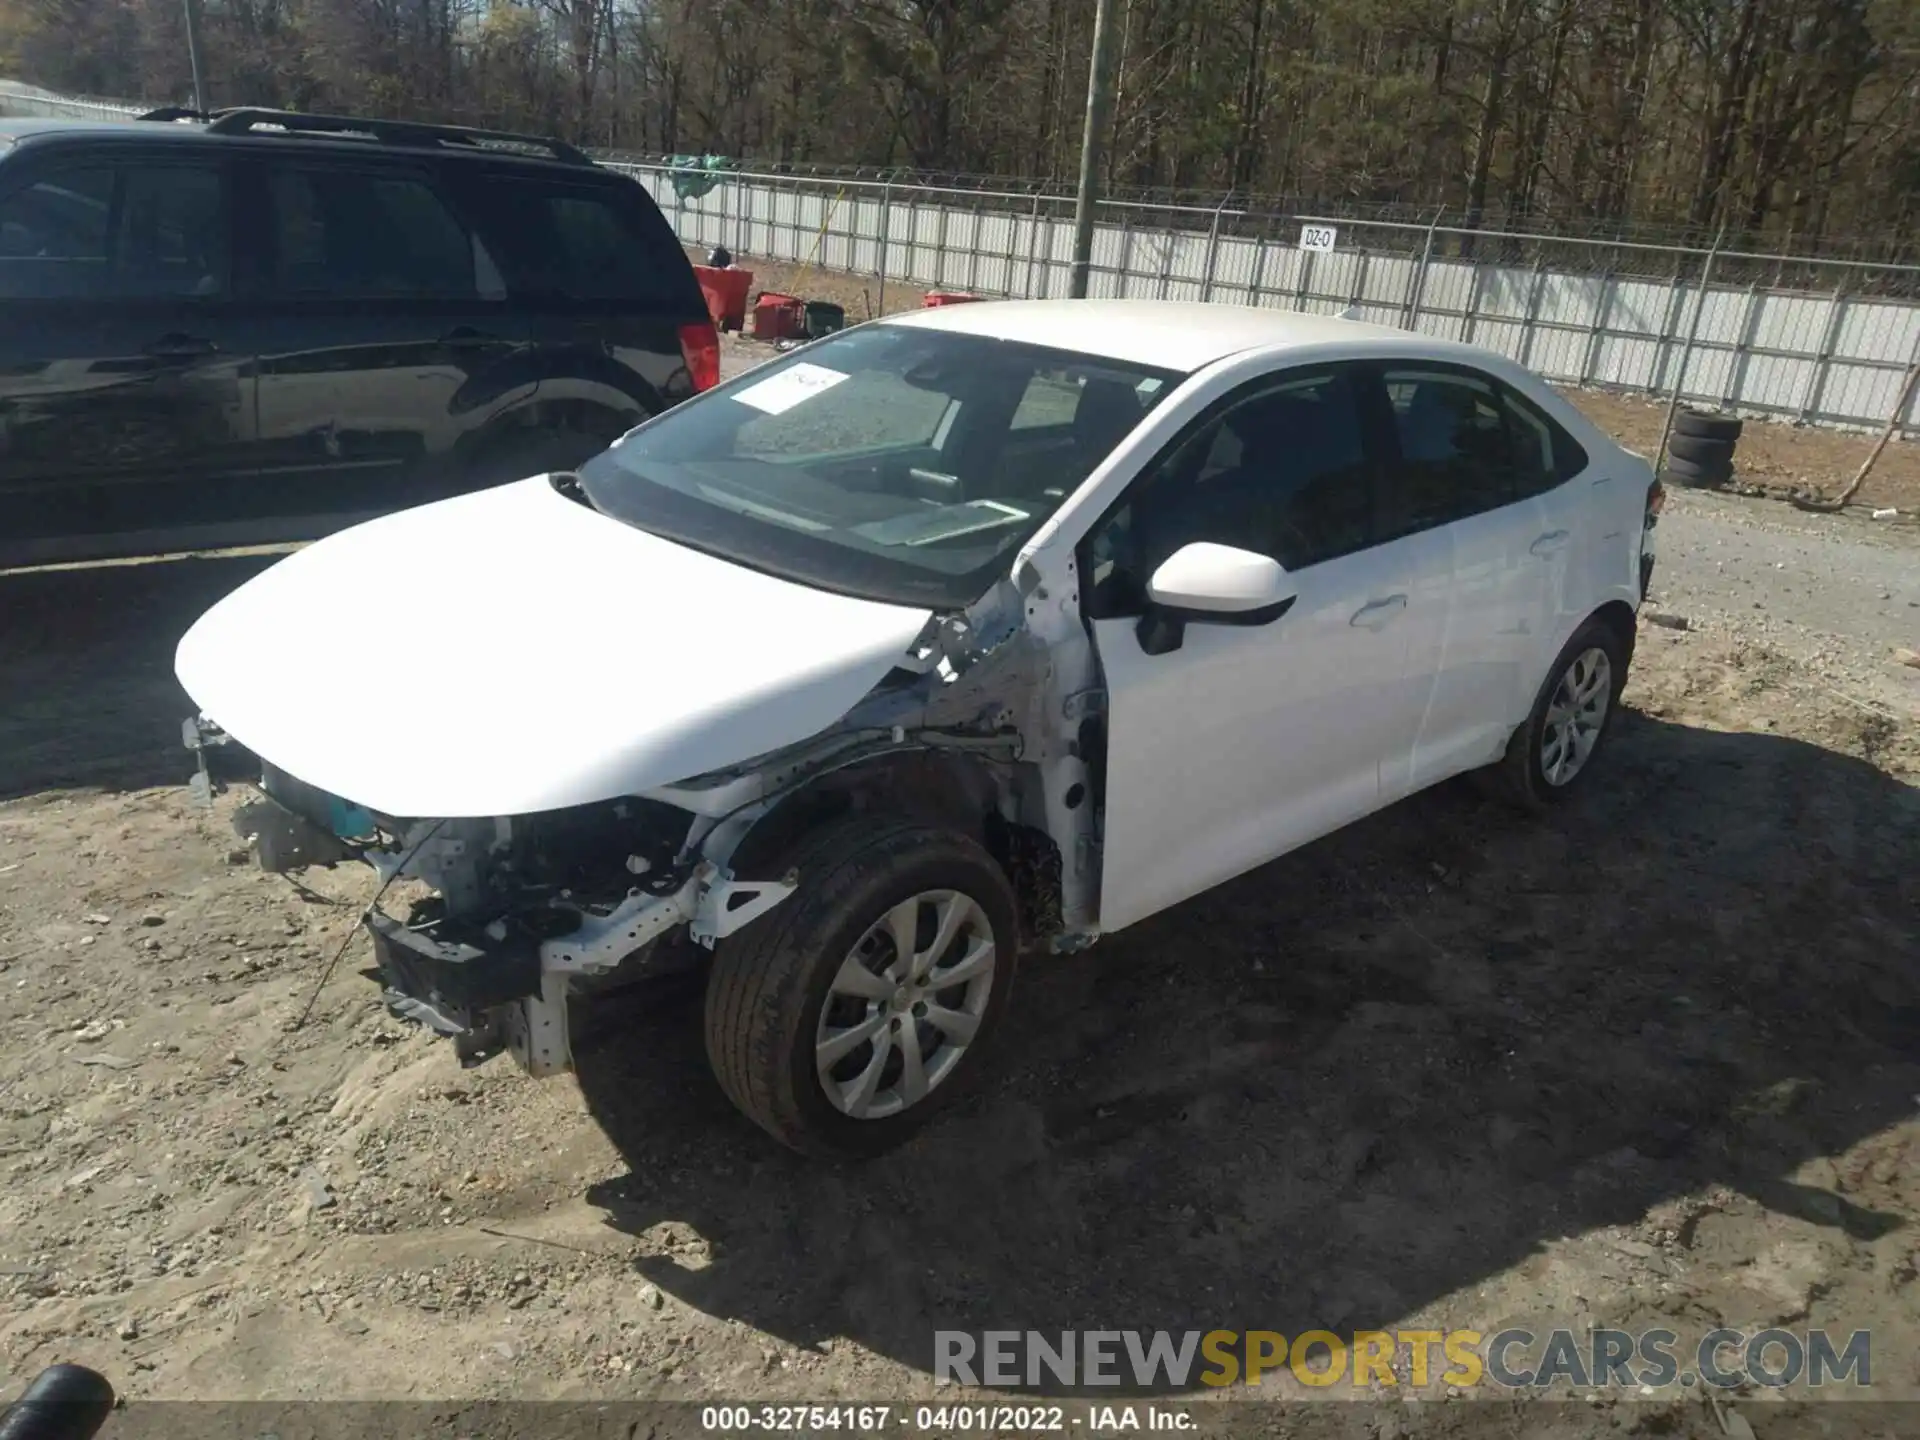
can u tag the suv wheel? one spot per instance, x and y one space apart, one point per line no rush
851 1014
1554 750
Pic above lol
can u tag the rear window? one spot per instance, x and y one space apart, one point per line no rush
591 242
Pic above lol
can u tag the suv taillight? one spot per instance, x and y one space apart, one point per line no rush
700 348
1656 501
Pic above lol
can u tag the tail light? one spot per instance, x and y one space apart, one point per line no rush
1656 500
700 348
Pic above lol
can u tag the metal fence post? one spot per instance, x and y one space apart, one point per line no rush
1742 349
940 251
1534 285
1213 249
1822 360
1417 286
1602 309
1686 352
1663 342
973 250
1126 254
1259 269
1033 244
886 217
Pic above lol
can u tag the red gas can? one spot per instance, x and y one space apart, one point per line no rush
726 292
779 317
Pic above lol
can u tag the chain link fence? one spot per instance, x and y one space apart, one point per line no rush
1823 340
1814 340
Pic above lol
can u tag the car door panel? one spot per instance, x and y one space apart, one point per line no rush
1249 741
1246 741
1453 474
126 386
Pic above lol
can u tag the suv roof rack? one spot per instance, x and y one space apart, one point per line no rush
171 113
245 119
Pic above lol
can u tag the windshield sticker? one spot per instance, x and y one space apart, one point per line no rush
780 393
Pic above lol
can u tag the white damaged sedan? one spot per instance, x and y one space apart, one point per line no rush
981 630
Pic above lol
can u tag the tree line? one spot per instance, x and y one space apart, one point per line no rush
1792 123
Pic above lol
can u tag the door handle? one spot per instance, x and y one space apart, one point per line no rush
176 346
1548 543
1376 614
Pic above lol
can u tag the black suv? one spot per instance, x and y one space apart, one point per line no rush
258 326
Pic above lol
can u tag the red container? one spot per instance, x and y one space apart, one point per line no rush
726 292
779 317
936 298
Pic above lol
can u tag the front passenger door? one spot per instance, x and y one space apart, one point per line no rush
1244 742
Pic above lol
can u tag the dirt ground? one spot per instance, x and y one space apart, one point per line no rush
1772 459
1654 1060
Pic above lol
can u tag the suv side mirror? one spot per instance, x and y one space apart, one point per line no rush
1208 584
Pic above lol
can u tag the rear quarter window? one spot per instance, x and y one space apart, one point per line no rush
592 242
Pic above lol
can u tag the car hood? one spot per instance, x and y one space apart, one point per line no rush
519 652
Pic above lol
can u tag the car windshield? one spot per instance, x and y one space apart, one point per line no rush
890 461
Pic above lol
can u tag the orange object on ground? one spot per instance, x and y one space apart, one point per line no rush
937 298
726 292
779 317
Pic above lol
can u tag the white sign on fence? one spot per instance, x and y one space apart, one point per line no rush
1318 237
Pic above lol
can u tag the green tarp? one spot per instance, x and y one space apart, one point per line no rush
695 175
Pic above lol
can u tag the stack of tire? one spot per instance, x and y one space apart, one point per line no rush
1700 450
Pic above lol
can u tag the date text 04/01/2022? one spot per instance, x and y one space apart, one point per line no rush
942 1419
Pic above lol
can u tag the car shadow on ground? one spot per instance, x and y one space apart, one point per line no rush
1366 1076
87 694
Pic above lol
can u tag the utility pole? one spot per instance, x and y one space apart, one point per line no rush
193 55
1099 108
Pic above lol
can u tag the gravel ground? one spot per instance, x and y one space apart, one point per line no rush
1653 1060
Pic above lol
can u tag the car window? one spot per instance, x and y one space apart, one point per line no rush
590 242
1455 451
171 232
1544 454
116 232
347 233
875 462
1283 471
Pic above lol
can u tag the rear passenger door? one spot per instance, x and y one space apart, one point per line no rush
606 289
1454 476
126 399
387 341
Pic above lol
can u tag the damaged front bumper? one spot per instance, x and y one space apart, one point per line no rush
489 971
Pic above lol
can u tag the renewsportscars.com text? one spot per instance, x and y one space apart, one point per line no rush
1512 1358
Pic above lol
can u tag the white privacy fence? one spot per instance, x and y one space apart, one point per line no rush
1813 340
1581 312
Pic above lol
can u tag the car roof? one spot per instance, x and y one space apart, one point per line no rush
1165 334
38 129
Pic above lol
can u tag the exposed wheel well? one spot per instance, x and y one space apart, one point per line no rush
1618 617
935 788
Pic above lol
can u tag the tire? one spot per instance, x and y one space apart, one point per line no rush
1699 451
772 996
1696 476
1520 776
1707 425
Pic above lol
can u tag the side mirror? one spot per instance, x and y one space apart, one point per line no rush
1209 584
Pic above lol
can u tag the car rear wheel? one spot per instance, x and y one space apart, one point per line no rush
851 1014
1554 751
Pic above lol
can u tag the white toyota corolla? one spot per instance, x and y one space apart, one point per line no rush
983 629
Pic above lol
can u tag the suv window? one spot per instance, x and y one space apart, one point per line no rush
116 232
589 242
350 234
1282 470
1456 456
